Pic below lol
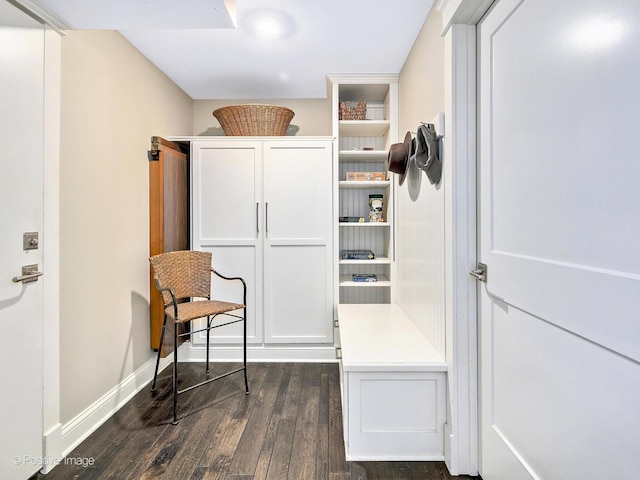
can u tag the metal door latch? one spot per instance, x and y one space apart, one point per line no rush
480 273
30 274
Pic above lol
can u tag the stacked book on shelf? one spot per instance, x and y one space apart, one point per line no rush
357 255
364 277
352 219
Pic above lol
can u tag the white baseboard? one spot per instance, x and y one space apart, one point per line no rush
449 447
394 458
51 447
231 353
84 424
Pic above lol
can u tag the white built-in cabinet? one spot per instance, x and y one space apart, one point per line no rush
263 207
363 147
393 382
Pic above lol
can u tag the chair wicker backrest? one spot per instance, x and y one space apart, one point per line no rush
186 272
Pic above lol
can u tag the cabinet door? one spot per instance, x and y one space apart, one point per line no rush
226 220
298 241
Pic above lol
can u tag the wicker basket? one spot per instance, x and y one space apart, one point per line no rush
352 110
254 120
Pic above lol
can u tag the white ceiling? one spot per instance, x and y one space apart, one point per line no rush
196 43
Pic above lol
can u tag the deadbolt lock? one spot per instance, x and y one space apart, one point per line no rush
30 241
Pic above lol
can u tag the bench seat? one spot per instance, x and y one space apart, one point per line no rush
393 386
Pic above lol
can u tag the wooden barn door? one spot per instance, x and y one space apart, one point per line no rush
168 219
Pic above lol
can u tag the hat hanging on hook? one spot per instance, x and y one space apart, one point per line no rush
427 152
399 155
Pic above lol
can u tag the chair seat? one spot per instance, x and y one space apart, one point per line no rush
192 310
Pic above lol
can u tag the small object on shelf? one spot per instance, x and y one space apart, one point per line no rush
352 219
365 176
357 255
254 120
352 111
364 277
376 207
367 149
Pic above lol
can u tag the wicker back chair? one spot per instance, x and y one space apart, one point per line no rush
184 280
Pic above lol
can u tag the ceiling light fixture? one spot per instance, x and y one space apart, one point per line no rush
267 27
267 24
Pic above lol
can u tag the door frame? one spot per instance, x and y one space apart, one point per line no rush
459 20
52 426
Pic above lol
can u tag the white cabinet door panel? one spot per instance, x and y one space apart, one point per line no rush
236 261
226 192
298 238
298 304
298 189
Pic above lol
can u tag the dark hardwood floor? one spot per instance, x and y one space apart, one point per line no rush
288 428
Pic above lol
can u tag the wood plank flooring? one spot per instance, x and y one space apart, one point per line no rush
288 428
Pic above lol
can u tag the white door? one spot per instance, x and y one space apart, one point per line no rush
21 210
298 259
559 228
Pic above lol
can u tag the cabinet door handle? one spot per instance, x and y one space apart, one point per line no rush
266 217
257 217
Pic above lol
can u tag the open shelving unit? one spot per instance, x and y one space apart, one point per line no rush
363 146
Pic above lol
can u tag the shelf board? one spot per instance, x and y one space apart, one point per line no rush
364 224
345 281
363 128
363 156
375 261
362 184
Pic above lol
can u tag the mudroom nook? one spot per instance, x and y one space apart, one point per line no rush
424 213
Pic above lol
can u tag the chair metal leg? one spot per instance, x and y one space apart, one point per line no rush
175 374
208 336
244 360
155 375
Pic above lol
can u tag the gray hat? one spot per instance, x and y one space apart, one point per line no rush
427 158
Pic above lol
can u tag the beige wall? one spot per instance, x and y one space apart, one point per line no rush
420 219
312 116
113 101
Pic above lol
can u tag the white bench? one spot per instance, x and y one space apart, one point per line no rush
393 386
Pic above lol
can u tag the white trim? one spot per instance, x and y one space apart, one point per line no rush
394 458
88 421
462 12
43 15
218 353
458 27
461 440
51 447
51 426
